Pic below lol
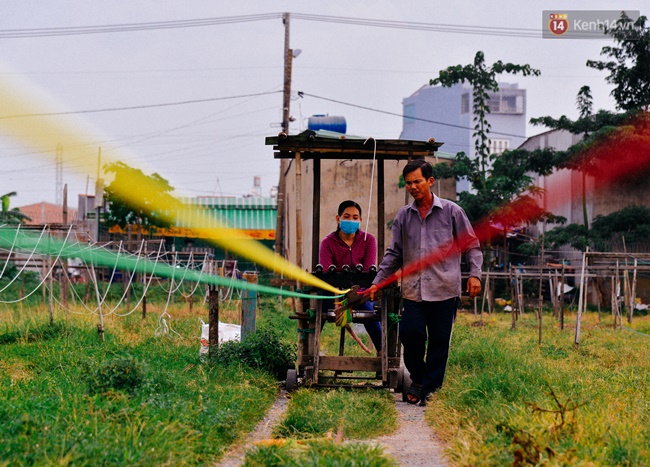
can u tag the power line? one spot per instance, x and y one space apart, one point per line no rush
137 107
417 26
301 94
203 22
129 27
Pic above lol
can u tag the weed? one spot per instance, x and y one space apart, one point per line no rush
119 373
261 350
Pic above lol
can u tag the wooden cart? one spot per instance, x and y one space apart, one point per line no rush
312 368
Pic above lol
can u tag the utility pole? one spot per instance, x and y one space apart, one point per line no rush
286 115
59 173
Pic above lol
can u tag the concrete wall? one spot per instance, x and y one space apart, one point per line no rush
563 188
341 180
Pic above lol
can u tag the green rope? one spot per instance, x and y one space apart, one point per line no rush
103 257
304 331
393 319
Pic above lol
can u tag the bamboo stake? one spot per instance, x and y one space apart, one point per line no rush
633 297
580 299
613 300
562 296
100 326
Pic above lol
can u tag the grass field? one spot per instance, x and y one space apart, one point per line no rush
509 401
136 399
144 398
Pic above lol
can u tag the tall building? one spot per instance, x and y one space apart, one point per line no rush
447 113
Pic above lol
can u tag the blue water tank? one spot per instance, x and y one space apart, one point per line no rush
327 122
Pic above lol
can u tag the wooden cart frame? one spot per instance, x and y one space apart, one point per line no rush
311 366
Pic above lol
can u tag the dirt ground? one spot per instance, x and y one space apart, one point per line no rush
412 444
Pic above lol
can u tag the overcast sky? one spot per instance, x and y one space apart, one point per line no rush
216 147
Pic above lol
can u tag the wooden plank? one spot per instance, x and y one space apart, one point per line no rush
335 363
358 154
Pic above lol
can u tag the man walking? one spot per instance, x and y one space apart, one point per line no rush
431 233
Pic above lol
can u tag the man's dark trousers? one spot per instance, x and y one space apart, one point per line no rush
432 321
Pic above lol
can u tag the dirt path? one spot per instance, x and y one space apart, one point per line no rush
413 444
235 456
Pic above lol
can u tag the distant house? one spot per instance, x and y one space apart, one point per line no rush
446 113
563 188
47 213
254 216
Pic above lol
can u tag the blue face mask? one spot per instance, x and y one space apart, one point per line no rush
349 227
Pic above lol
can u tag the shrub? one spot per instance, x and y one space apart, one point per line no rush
261 350
119 373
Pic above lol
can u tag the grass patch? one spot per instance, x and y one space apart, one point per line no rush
139 398
317 453
357 414
509 401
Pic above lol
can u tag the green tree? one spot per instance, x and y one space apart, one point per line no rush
503 191
11 216
629 64
132 197
606 133
483 80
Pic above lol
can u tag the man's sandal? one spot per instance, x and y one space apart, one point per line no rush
414 394
425 398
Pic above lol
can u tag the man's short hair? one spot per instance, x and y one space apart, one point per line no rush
412 166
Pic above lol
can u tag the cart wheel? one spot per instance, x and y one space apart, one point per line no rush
400 380
292 380
406 382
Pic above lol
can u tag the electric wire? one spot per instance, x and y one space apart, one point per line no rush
130 27
141 106
387 112
533 33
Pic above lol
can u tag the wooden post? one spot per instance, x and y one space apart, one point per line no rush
298 210
50 302
613 300
315 232
100 325
249 307
485 291
43 272
381 209
64 261
143 249
213 338
633 293
144 307
562 296
580 299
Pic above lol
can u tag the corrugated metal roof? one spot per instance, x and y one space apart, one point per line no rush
254 213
